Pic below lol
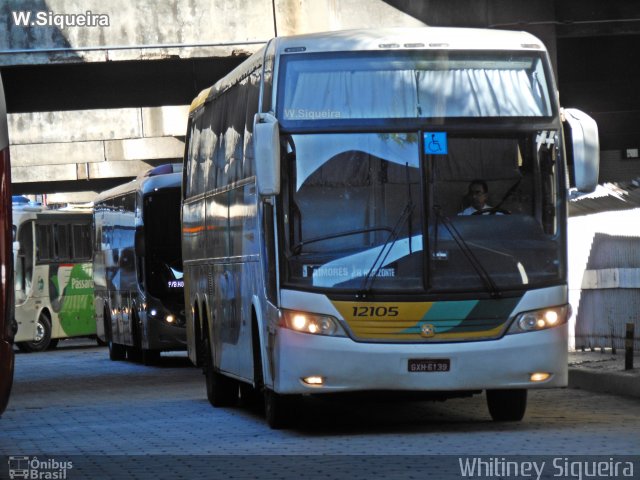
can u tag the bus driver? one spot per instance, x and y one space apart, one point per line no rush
478 193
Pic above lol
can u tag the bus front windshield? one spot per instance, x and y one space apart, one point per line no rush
384 211
163 256
414 84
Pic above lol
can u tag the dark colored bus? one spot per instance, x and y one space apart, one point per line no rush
7 323
137 267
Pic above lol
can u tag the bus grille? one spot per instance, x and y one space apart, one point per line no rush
446 321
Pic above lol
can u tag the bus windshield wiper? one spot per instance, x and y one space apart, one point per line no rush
378 263
298 246
462 244
405 216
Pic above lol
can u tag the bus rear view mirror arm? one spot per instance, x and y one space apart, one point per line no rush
266 141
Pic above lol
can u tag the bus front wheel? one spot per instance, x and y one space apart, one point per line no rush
42 339
279 410
507 405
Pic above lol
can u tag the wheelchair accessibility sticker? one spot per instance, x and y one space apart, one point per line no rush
435 143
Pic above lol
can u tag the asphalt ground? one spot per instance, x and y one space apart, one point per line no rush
78 415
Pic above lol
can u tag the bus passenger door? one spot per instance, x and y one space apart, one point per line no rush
24 253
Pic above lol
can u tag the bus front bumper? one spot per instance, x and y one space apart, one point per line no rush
164 336
344 365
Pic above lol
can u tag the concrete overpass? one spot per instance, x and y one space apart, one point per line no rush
97 91
96 104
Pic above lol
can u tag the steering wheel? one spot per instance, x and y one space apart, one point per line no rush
491 211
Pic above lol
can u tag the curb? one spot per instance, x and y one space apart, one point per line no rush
625 383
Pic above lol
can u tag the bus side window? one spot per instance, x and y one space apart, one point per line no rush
81 242
62 242
44 243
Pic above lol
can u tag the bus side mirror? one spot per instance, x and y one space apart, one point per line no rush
584 149
139 242
266 144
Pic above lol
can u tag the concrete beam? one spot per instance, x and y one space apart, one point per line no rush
165 121
143 149
307 16
55 154
72 197
69 160
94 144
119 30
43 173
126 168
74 126
103 124
98 31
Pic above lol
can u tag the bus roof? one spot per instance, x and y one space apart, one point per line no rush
144 185
380 39
22 213
417 38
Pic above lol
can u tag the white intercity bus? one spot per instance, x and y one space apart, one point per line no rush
323 245
53 280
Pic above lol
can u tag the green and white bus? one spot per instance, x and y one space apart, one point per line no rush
322 243
53 276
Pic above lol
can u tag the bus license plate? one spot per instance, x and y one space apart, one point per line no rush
429 364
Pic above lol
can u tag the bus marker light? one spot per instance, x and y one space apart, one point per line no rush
539 376
313 381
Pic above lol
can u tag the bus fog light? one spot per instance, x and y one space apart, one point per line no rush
170 319
313 380
539 376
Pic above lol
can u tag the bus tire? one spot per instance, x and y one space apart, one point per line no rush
42 338
222 391
250 397
134 352
279 410
150 357
117 352
507 405
53 344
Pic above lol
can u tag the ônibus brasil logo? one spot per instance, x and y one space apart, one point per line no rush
33 468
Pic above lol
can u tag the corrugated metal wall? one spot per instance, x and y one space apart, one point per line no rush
607 307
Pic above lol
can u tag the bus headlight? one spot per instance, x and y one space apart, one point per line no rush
313 323
540 319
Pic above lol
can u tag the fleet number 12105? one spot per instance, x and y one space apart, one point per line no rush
373 311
